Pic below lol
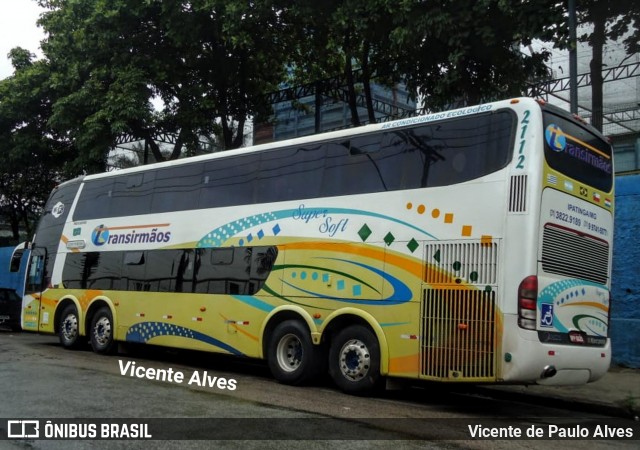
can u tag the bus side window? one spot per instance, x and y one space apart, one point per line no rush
134 276
16 259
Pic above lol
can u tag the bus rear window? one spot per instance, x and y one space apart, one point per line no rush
576 152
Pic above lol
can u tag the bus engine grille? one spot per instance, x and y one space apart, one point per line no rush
572 254
458 334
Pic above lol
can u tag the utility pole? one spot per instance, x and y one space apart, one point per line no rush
573 59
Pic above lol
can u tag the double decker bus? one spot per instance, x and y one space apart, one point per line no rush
471 245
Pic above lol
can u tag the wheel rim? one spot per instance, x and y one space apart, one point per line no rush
102 331
289 353
355 360
69 327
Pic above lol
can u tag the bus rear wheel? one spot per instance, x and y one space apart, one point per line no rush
290 353
69 328
354 360
102 331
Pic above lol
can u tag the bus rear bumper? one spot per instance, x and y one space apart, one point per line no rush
527 360
555 366
567 377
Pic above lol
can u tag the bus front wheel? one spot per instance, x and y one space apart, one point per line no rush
290 353
354 360
102 331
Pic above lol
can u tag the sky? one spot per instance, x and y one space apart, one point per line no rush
18 29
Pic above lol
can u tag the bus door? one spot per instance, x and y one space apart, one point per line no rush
33 289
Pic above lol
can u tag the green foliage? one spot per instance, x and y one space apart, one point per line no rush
110 58
446 51
469 51
31 157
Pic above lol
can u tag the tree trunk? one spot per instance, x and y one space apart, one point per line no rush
366 81
227 133
351 89
177 148
239 139
15 226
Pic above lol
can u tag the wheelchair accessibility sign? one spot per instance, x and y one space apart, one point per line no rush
546 315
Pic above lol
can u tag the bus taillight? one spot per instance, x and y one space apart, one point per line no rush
527 302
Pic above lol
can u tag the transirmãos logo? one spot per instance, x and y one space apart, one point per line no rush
555 137
100 235
561 142
143 234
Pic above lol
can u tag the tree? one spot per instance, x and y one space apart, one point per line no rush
463 51
344 39
469 51
31 156
202 59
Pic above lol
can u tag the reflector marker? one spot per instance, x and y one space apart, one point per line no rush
237 322
409 336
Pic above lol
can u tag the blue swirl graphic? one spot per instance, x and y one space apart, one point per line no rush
145 331
550 295
401 292
218 236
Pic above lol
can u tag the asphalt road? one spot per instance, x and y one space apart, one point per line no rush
234 403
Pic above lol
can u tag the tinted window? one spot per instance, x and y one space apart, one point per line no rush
462 150
347 171
399 164
177 188
132 194
435 154
95 200
16 261
229 181
573 150
235 271
92 270
50 227
290 173
161 270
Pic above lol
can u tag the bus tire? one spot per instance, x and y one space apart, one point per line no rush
354 360
102 331
291 355
69 327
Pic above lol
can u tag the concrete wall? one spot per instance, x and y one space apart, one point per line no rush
625 290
